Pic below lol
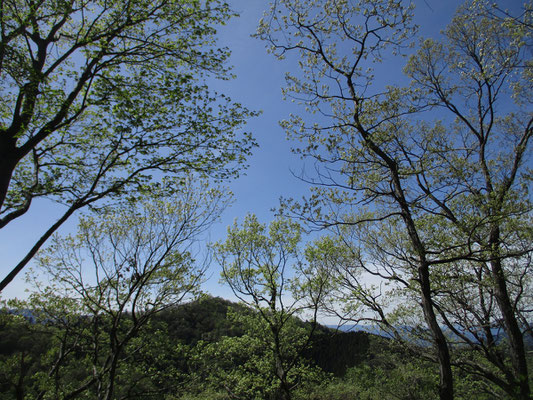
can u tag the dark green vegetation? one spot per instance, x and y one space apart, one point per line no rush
190 351
200 350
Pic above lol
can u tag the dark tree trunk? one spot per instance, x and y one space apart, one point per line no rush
439 340
512 328
8 161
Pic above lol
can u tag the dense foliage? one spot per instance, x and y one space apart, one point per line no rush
101 100
194 349
200 350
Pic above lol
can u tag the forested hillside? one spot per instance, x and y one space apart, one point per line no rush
200 350
190 351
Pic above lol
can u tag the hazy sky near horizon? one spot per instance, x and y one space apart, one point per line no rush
258 83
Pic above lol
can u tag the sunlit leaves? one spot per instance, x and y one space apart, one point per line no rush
105 283
111 96
265 268
426 185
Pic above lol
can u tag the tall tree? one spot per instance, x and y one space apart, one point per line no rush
264 268
410 198
481 74
106 283
102 98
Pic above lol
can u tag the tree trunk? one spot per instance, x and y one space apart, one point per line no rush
8 161
439 340
284 392
441 345
512 328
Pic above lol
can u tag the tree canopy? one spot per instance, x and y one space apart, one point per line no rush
420 192
429 184
102 99
104 286
266 270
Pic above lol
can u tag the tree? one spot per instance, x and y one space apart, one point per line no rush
264 268
101 99
124 266
412 199
485 84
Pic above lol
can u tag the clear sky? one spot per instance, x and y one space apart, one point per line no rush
258 86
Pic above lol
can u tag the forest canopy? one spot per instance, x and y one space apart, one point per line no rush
103 100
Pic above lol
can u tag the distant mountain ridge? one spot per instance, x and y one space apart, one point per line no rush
497 333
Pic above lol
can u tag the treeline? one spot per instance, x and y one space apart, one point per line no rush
199 350
191 351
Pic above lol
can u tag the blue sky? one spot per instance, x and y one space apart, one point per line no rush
258 86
